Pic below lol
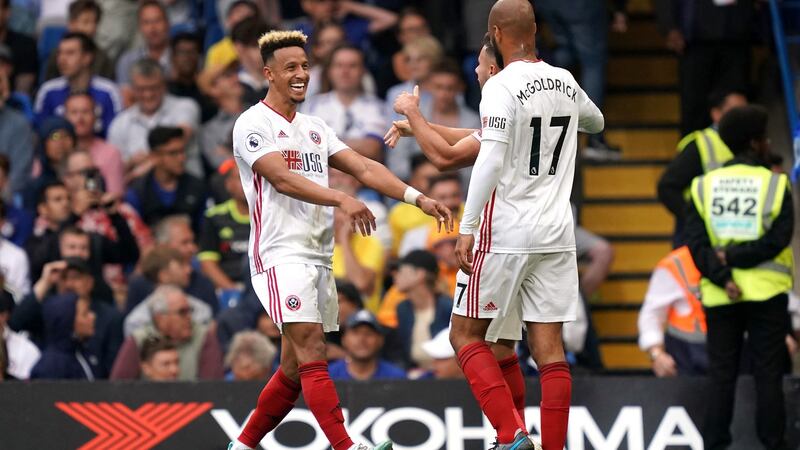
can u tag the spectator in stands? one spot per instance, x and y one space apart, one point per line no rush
15 99
698 152
185 53
712 40
13 264
223 52
444 364
83 17
672 302
69 323
79 110
424 312
175 232
359 20
160 360
326 38
363 342
216 141
19 221
404 217
250 357
200 355
446 87
423 55
114 31
350 302
53 210
225 236
23 53
411 24
444 188
246 314
154 29
356 117
165 266
56 141
75 55
154 107
99 208
245 35
16 137
582 38
20 353
167 189
358 259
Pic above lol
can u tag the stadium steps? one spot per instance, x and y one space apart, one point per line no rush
619 202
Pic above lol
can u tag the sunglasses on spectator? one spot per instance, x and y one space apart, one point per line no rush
183 312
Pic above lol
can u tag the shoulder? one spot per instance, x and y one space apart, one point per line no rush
252 118
12 116
53 85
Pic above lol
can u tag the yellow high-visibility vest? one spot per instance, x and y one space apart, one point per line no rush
738 204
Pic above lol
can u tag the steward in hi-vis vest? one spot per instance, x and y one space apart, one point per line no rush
699 152
672 323
739 227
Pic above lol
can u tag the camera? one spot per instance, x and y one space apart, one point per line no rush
94 181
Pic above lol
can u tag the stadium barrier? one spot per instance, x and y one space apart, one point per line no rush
632 413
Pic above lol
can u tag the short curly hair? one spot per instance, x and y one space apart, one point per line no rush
739 126
276 40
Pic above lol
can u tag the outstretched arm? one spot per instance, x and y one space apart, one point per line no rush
376 176
272 166
447 148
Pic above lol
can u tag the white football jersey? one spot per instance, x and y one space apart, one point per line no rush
537 109
285 230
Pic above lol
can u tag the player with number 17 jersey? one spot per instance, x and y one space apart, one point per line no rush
536 109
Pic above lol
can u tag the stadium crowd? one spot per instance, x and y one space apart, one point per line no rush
124 224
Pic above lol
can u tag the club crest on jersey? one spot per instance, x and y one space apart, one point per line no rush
254 141
293 302
315 137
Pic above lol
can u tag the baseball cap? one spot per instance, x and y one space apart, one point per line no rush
421 259
364 317
439 347
78 265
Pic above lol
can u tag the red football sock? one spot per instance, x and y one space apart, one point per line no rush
276 400
556 384
512 372
323 401
490 389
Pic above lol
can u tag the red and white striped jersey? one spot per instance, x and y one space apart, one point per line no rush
284 230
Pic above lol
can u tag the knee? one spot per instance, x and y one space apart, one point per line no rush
308 343
503 349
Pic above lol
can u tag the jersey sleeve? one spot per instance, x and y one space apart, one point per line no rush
334 144
590 119
497 112
209 241
251 141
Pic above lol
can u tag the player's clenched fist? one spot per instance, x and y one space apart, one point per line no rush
405 102
464 252
360 216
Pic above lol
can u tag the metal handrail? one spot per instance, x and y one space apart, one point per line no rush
788 79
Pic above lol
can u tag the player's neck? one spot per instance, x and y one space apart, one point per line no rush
283 106
518 51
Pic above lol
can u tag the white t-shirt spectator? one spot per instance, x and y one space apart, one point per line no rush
128 131
14 269
361 119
